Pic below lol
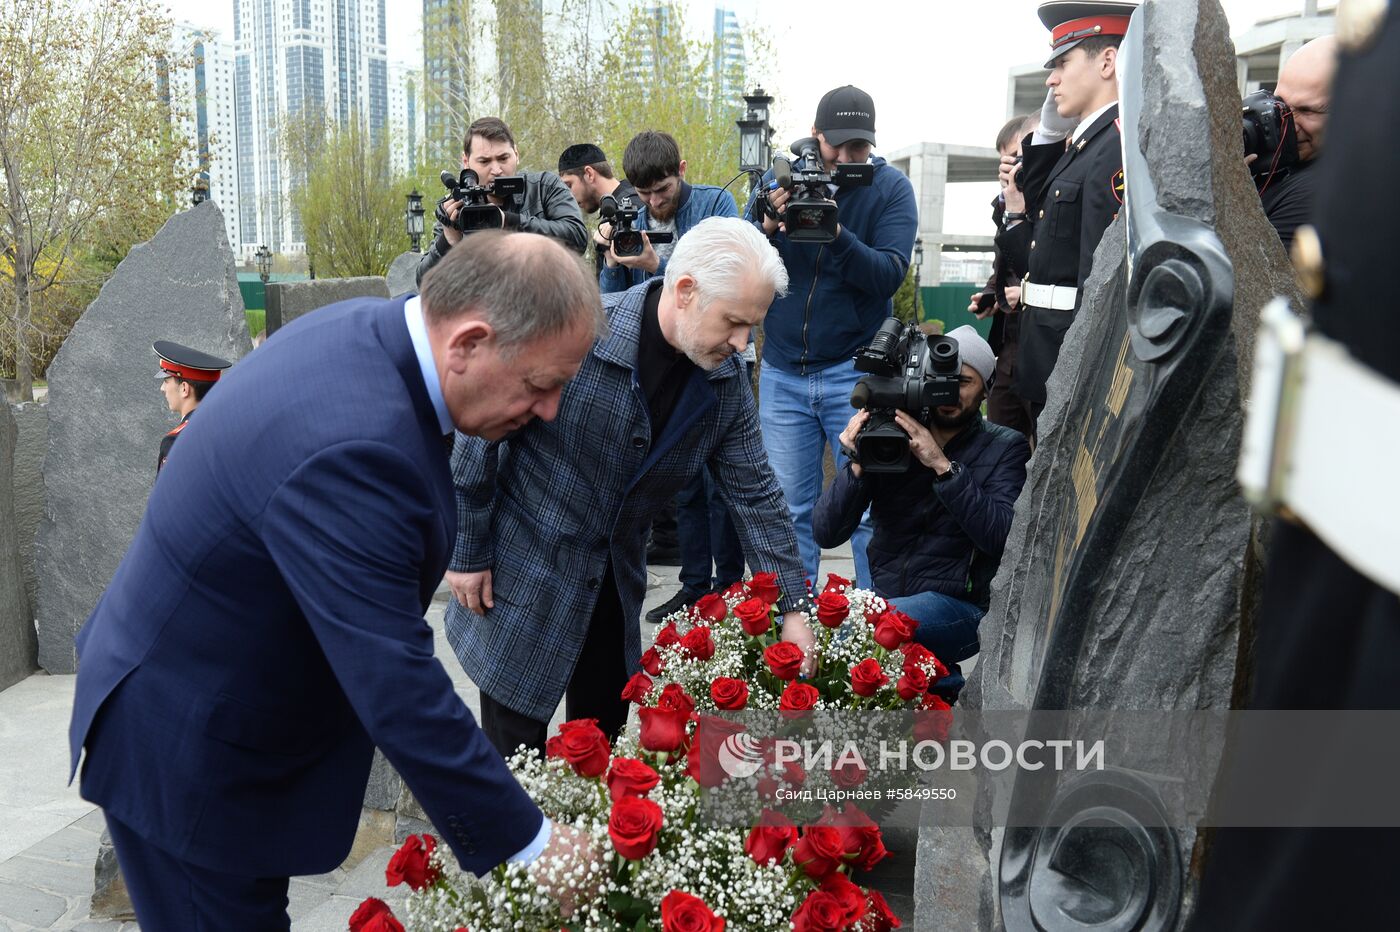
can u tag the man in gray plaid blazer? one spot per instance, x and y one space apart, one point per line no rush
549 568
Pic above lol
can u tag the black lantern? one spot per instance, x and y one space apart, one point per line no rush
755 149
200 192
918 278
413 219
264 260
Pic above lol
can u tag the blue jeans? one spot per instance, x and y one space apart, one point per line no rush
800 416
707 537
948 627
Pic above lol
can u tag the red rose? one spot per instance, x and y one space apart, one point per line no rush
867 677
832 608
893 628
374 915
754 615
583 744
663 729
675 698
634 826
698 643
836 583
860 836
799 697
882 919
667 636
912 684
637 689
630 777
819 851
916 654
820 912
848 775
770 839
410 863
703 762
784 659
932 719
711 607
729 694
651 661
764 586
851 897
681 912
735 590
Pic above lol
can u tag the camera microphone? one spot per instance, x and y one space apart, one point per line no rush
782 172
448 179
860 395
607 207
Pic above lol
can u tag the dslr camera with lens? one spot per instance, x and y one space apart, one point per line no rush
626 239
1269 134
476 212
810 214
909 371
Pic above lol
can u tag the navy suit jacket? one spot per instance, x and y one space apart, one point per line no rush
265 629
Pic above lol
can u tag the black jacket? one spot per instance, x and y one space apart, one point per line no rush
944 536
1288 200
1075 194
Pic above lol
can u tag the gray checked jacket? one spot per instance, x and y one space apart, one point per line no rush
546 508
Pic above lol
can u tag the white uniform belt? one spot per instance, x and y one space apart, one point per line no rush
1320 441
1054 297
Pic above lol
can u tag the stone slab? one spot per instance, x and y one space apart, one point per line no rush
403 274
19 644
32 419
106 414
28 906
62 878
286 301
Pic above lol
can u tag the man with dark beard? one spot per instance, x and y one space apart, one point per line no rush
939 528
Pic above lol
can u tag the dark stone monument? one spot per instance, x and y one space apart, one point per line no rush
1130 577
286 301
106 414
32 419
18 644
403 274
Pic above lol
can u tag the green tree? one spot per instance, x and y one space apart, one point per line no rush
88 157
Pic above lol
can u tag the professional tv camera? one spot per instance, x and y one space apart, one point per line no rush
810 214
626 239
476 212
1269 134
908 371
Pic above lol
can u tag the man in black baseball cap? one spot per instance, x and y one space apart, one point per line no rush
838 295
186 375
589 175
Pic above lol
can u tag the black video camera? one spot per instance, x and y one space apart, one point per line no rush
626 239
476 212
810 214
908 371
1270 134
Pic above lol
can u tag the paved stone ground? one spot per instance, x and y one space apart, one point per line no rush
49 835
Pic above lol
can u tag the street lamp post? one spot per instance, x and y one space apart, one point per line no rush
413 219
755 133
918 279
264 260
199 193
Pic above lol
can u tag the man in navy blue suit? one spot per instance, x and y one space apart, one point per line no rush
265 630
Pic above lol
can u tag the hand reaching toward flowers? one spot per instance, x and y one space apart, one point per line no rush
797 631
473 590
570 868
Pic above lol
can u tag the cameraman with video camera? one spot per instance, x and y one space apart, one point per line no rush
533 202
846 244
1283 135
940 482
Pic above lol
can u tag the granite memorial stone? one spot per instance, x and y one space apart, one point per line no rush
403 274
32 419
286 301
18 644
1129 578
106 414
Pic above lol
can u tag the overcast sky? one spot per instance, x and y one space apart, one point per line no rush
937 69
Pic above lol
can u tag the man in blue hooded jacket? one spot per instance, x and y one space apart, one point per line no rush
839 294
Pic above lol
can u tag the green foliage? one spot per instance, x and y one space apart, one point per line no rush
257 322
904 306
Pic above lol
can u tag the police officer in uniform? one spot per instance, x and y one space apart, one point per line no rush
186 376
1328 633
1071 174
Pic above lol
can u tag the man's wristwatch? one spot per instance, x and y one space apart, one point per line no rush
1014 215
954 467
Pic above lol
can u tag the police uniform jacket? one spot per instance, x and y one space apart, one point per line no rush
168 441
1077 190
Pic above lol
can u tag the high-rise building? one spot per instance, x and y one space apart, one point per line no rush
405 117
322 59
447 77
728 55
199 89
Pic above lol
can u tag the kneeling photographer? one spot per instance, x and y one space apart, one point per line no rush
939 480
490 195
